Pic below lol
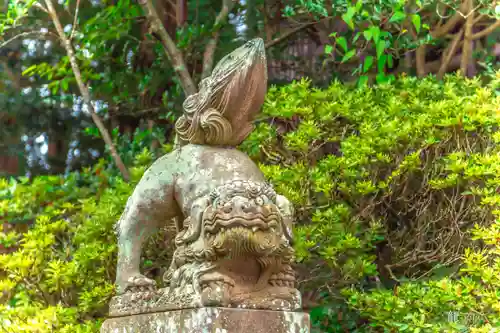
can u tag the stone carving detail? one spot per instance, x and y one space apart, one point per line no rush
221 113
234 240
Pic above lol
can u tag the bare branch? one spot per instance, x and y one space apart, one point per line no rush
173 53
208 56
39 34
444 29
420 60
467 48
485 32
41 7
449 53
85 91
454 64
479 18
75 20
460 10
287 34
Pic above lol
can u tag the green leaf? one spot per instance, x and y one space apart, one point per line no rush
368 64
397 17
289 11
328 49
415 19
347 17
375 33
381 63
65 84
55 87
359 4
348 55
342 42
381 78
380 48
390 62
356 37
30 70
362 81
368 35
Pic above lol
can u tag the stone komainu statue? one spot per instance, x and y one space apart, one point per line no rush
233 246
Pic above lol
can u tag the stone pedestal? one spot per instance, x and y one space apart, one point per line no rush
210 320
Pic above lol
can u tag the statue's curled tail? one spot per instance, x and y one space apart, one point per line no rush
221 113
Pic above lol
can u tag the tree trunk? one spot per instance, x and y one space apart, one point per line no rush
467 48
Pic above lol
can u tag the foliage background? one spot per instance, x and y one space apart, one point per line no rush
351 154
394 174
134 81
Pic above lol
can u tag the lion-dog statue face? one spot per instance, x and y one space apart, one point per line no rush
244 220
237 245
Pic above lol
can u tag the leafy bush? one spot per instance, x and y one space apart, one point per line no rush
59 278
387 184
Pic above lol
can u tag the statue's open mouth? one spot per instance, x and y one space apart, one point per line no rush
256 223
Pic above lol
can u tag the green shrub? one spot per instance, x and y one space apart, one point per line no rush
60 276
391 185
388 182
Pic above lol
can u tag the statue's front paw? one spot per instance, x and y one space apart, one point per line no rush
283 279
216 289
137 283
216 293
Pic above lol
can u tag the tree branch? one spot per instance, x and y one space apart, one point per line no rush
85 91
287 34
220 20
433 66
39 34
442 30
41 7
467 48
175 56
479 18
420 60
449 53
73 29
485 32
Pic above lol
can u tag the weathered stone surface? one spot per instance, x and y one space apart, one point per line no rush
277 299
222 111
235 246
211 320
234 242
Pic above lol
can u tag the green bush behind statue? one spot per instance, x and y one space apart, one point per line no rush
397 203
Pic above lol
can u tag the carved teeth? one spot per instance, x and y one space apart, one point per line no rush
254 229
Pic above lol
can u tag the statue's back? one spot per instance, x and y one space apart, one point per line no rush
202 168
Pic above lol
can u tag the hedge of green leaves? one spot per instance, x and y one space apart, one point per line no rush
59 278
396 193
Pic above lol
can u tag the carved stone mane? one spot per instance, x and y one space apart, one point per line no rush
221 113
